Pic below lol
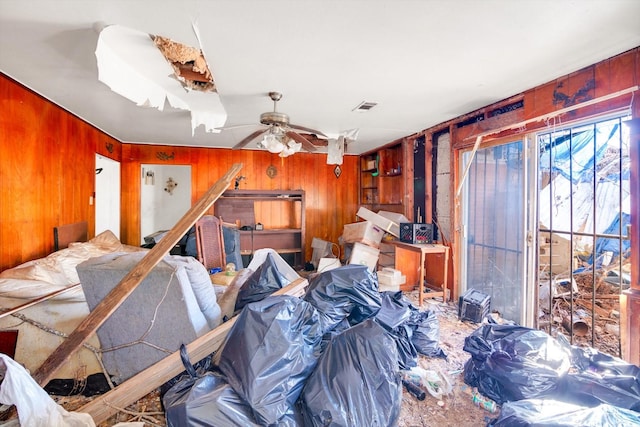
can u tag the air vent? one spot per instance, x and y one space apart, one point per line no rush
365 106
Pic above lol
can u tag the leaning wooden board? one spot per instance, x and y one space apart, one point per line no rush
138 386
128 284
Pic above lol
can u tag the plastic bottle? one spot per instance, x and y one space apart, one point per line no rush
484 403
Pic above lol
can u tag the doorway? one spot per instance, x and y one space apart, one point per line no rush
107 196
494 216
165 197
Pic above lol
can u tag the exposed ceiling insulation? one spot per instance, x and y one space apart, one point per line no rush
188 62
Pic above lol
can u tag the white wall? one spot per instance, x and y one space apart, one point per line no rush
159 209
107 197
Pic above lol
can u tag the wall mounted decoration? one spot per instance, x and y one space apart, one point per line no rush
272 171
337 171
149 177
170 186
164 156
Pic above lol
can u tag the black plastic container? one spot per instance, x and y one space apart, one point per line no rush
473 305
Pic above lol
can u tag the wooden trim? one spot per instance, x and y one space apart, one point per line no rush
129 282
138 386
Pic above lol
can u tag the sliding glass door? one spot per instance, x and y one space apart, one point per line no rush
495 214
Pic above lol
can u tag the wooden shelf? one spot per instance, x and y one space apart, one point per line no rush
282 214
387 188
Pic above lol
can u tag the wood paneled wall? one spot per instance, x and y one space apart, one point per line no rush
330 202
47 172
47 175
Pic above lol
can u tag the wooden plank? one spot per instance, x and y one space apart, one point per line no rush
131 280
37 300
138 386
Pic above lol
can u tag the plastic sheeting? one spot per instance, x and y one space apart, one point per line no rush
356 381
264 281
510 362
552 413
35 407
350 292
269 352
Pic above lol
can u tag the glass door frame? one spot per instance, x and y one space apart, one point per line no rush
529 209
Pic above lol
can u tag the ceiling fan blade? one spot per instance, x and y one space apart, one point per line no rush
317 132
302 140
249 138
236 126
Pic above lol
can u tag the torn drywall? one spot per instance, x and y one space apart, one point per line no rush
130 63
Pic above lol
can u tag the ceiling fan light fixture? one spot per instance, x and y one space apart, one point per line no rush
290 148
272 143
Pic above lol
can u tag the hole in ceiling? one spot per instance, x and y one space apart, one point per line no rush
365 106
188 63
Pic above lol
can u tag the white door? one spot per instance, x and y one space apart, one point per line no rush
107 197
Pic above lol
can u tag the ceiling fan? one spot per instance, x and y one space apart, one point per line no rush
279 135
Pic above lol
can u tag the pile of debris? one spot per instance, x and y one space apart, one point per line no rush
588 311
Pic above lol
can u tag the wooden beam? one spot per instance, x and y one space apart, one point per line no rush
38 300
143 383
131 280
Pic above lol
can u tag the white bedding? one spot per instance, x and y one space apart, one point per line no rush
38 325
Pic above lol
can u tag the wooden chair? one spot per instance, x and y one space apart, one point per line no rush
209 242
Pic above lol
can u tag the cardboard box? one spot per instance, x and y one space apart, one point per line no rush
326 264
364 255
381 221
363 232
390 279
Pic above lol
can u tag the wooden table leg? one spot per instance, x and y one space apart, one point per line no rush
423 259
446 272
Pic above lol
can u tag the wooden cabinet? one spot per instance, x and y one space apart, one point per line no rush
280 213
382 179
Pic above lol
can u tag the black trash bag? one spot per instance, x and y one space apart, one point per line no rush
92 385
393 316
269 352
552 413
422 328
426 333
200 397
395 310
263 282
356 382
337 330
514 362
350 291
407 353
601 378
206 400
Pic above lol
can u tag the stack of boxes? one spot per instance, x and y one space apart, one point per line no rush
363 243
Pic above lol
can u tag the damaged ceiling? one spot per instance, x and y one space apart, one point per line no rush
420 62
